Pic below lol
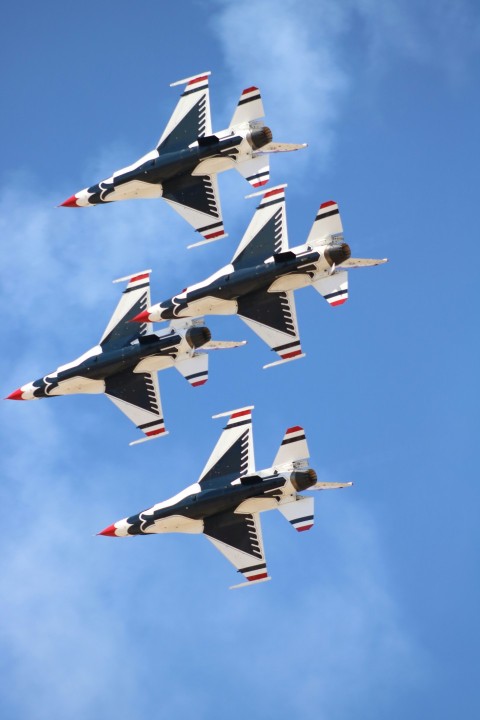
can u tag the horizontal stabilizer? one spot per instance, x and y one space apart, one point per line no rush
274 147
249 107
299 513
223 344
362 262
194 369
334 288
330 485
256 171
293 447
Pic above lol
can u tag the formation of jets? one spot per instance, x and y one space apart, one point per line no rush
258 285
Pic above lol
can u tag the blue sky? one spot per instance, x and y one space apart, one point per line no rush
374 612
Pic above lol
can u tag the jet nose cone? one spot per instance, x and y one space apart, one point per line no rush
142 317
71 202
17 395
109 531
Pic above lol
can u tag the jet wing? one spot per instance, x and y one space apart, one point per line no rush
196 199
191 118
138 396
232 456
135 299
267 232
272 316
239 539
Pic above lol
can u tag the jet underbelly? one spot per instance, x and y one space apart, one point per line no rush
256 504
135 189
78 385
209 306
289 282
212 165
154 363
175 523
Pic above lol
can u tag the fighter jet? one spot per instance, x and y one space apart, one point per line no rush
124 363
226 501
258 283
184 165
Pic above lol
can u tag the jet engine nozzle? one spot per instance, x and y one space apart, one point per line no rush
258 137
198 336
302 480
336 254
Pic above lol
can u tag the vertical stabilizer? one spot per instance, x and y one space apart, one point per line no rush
249 107
293 449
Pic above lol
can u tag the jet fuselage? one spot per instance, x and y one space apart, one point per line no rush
88 373
156 168
189 510
217 294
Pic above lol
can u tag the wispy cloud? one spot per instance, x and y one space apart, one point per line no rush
308 54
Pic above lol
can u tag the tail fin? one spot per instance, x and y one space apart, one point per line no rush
327 223
249 107
293 448
194 369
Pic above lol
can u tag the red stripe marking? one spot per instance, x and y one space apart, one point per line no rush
297 428
139 277
199 79
249 90
199 382
257 577
305 527
338 302
259 183
155 432
273 192
215 234
239 414
291 354
327 204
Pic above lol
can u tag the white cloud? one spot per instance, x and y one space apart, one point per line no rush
308 54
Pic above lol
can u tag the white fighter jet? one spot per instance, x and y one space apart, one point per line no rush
259 282
226 501
125 362
183 166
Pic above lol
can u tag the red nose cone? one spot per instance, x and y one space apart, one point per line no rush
110 531
141 317
71 202
17 395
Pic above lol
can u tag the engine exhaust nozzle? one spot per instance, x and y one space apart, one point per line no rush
337 254
198 336
303 479
259 137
